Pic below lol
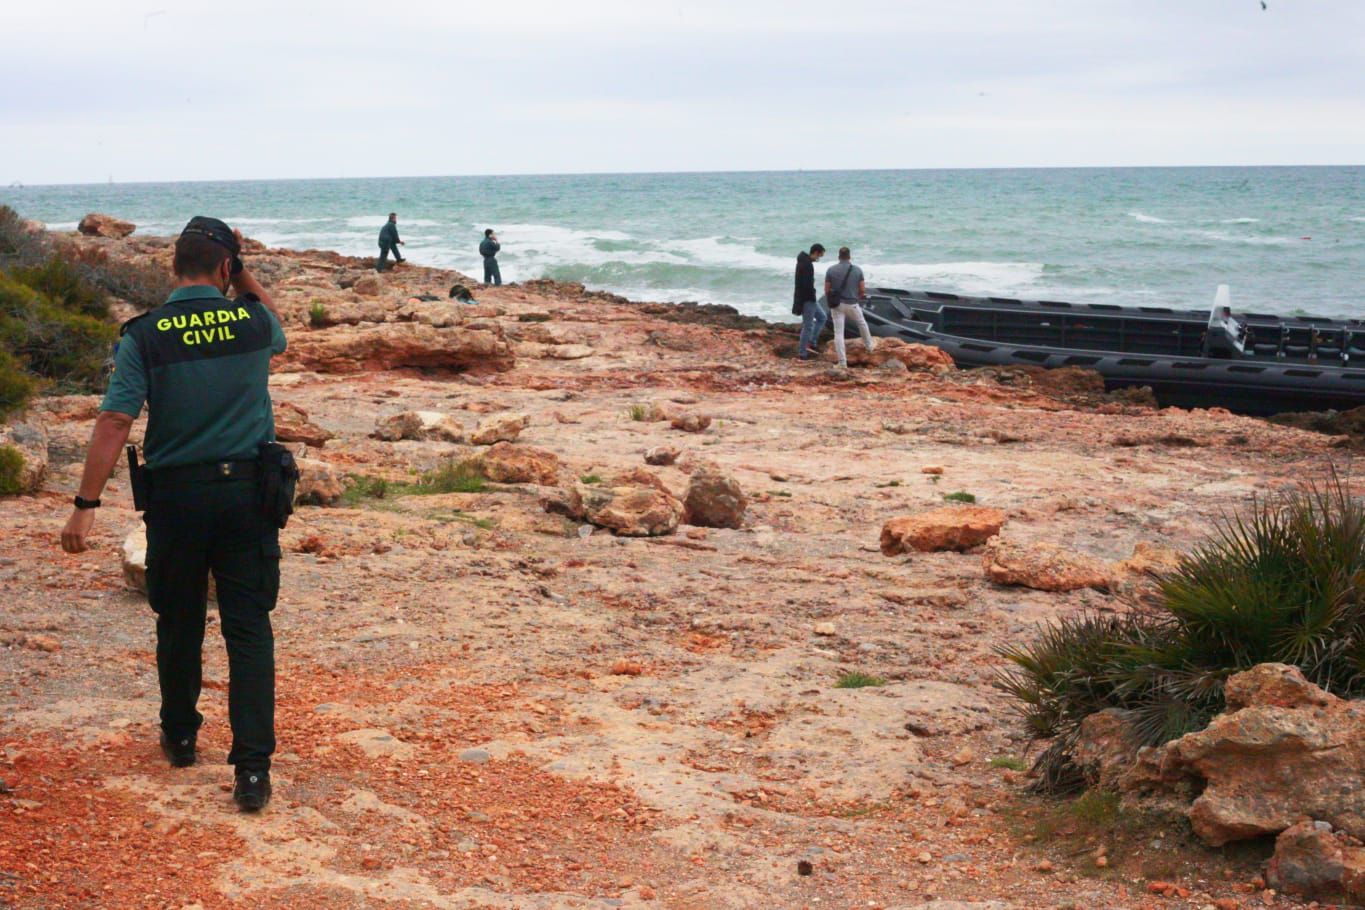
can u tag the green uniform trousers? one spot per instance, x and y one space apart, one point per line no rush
194 528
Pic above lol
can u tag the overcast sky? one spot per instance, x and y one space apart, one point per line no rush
181 90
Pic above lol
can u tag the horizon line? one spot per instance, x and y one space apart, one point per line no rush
16 184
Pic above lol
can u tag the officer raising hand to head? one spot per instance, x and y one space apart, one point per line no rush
215 489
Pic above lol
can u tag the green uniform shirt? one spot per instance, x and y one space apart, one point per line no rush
201 364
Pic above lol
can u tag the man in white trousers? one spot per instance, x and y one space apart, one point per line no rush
844 287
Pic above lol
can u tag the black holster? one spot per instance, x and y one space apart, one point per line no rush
138 480
279 479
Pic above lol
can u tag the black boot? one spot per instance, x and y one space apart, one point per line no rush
179 752
252 790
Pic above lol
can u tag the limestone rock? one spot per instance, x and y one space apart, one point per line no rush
134 552
292 425
419 425
368 286
391 346
97 225
1283 751
919 358
1043 567
506 462
630 511
500 428
1313 862
661 455
640 477
691 422
30 441
1106 747
319 483
946 528
714 500
1150 559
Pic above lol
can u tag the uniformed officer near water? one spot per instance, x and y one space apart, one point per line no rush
215 490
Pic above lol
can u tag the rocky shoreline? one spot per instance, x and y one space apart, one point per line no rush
706 631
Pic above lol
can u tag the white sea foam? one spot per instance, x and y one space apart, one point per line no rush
246 220
1356 218
377 221
973 277
1147 219
1224 237
1240 221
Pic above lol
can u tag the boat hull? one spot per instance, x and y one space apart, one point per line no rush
1249 385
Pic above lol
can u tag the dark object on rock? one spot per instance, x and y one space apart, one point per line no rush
1347 423
804 867
458 292
427 298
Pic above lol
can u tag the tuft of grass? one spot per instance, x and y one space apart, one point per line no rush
785 494
959 496
464 476
360 488
889 483
640 412
591 478
1010 762
11 471
1282 582
858 680
317 315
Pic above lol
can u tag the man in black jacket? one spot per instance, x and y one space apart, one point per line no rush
804 303
389 242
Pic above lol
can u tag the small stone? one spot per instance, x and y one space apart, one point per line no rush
924 858
964 756
1044 866
475 756
661 455
825 628
691 423
931 469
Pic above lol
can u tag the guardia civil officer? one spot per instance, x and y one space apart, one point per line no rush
200 362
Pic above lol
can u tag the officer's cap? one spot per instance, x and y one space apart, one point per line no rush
215 230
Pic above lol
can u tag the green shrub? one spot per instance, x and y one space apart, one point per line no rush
959 496
16 386
17 246
67 347
640 412
143 283
1284 582
62 285
857 680
317 315
591 478
11 471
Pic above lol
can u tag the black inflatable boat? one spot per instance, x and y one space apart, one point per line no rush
1246 362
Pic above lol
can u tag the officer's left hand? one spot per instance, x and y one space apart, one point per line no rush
77 529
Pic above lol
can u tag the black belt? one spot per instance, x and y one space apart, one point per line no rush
208 472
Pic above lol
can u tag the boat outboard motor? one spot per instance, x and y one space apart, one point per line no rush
1226 337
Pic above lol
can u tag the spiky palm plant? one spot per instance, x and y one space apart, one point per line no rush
1284 582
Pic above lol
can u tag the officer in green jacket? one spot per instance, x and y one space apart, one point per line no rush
389 243
488 249
200 363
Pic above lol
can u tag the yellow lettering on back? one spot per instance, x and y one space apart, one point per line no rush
178 321
190 337
163 324
210 318
243 313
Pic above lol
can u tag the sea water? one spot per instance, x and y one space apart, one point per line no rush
1287 239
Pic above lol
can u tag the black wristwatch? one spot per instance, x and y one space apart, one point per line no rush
86 503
